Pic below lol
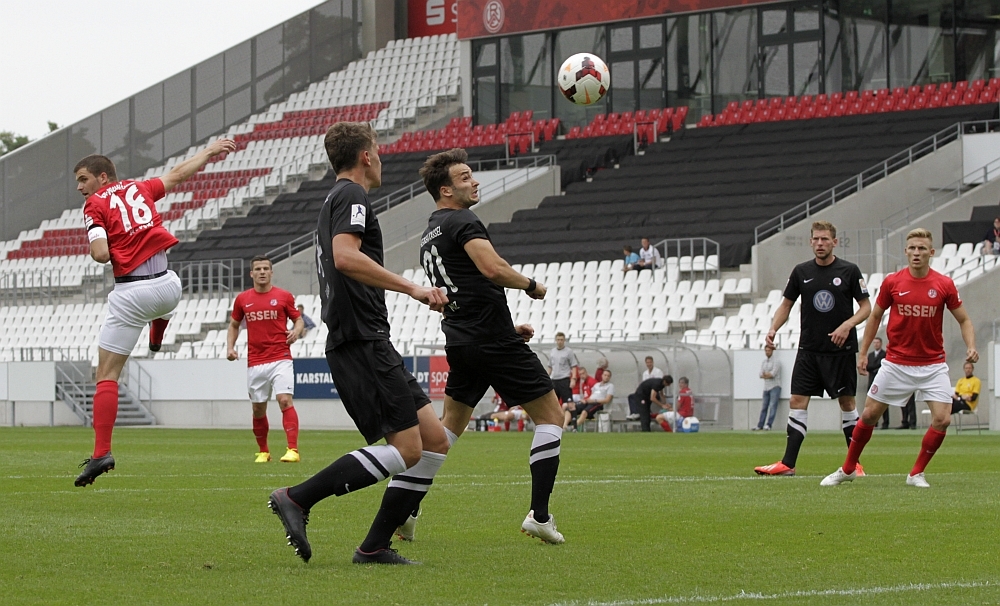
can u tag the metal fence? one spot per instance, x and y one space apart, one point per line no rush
696 258
213 278
872 175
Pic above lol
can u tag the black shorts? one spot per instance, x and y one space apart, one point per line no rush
592 410
378 392
563 391
813 373
507 364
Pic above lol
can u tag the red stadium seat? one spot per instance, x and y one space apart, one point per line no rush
946 88
961 86
706 120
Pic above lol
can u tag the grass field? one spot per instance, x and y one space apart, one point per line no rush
648 519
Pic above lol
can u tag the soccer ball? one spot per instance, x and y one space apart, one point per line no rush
690 425
584 78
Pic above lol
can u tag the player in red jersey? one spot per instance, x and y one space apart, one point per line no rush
124 228
915 359
266 310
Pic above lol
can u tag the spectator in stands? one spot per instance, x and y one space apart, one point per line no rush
770 371
649 256
602 365
600 396
874 365
583 384
562 368
685 406
631 259
966 391
308 321
648 393
651 371
991 243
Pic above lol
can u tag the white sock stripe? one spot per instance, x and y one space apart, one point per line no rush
387 457
551 430
797 425
428 466
397 483
545 454
452 437
367 464
802 416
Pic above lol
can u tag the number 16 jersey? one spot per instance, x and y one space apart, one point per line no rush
477 309
126 211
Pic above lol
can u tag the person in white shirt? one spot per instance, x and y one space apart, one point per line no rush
651 371
770 371
649 257
600 395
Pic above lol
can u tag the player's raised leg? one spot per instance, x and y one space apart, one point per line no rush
105 412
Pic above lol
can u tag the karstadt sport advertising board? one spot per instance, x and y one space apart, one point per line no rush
313 380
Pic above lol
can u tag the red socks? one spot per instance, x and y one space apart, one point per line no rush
666 426
290 421
156 329
105 413
928 446
260 428
862 433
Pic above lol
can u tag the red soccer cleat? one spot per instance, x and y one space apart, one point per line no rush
859 471
775 469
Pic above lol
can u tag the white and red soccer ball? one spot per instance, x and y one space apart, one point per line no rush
584 78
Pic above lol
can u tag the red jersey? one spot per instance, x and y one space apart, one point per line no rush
583 387
125 210
685 402
916 312
267 315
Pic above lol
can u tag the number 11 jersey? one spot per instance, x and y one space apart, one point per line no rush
477 309
126 211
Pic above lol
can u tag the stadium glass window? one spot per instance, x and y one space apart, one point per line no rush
921 43
526 79
735 52
148 110
689 63
115 126
977 45
177 97
636 61
789 52
485 95
567 43
855 35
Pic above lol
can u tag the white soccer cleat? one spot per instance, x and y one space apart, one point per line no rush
838 477
546 532
918 480
408 529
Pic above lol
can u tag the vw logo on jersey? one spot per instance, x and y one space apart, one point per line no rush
823 301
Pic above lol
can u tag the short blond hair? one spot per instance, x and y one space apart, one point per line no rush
920 232
823 226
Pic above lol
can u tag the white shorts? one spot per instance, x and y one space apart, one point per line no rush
273 377
895 383
133 305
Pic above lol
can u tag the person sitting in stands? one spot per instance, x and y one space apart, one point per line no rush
631 259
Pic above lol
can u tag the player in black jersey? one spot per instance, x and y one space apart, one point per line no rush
483 345
828 342
381 396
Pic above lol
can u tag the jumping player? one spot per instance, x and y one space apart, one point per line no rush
483 345
380 395
916 297
123 227
825 361
267 309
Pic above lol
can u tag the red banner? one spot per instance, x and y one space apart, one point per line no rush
431 17
479 18
438 377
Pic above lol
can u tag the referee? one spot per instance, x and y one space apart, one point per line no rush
828 343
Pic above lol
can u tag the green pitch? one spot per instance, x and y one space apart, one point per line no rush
648 519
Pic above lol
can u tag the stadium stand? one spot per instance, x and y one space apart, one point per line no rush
713 182
973 230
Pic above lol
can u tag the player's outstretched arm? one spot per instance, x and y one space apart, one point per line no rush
779 319
232 331
968 333
350 261
839 336
871 329
186 169
497 270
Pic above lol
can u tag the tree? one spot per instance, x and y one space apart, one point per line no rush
53 127
10 141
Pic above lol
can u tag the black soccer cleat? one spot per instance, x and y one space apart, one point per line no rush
294 519
380 556
93 468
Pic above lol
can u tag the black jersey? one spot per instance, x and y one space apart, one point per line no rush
352 311
828 293
647 387
477 310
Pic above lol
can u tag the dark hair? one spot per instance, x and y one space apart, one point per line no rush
668 379
436 171
684 380
627 248
647 358
344 141
260 258
97 164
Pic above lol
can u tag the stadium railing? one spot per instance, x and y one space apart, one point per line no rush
869 176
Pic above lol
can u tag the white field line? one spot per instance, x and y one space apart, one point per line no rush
755 596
